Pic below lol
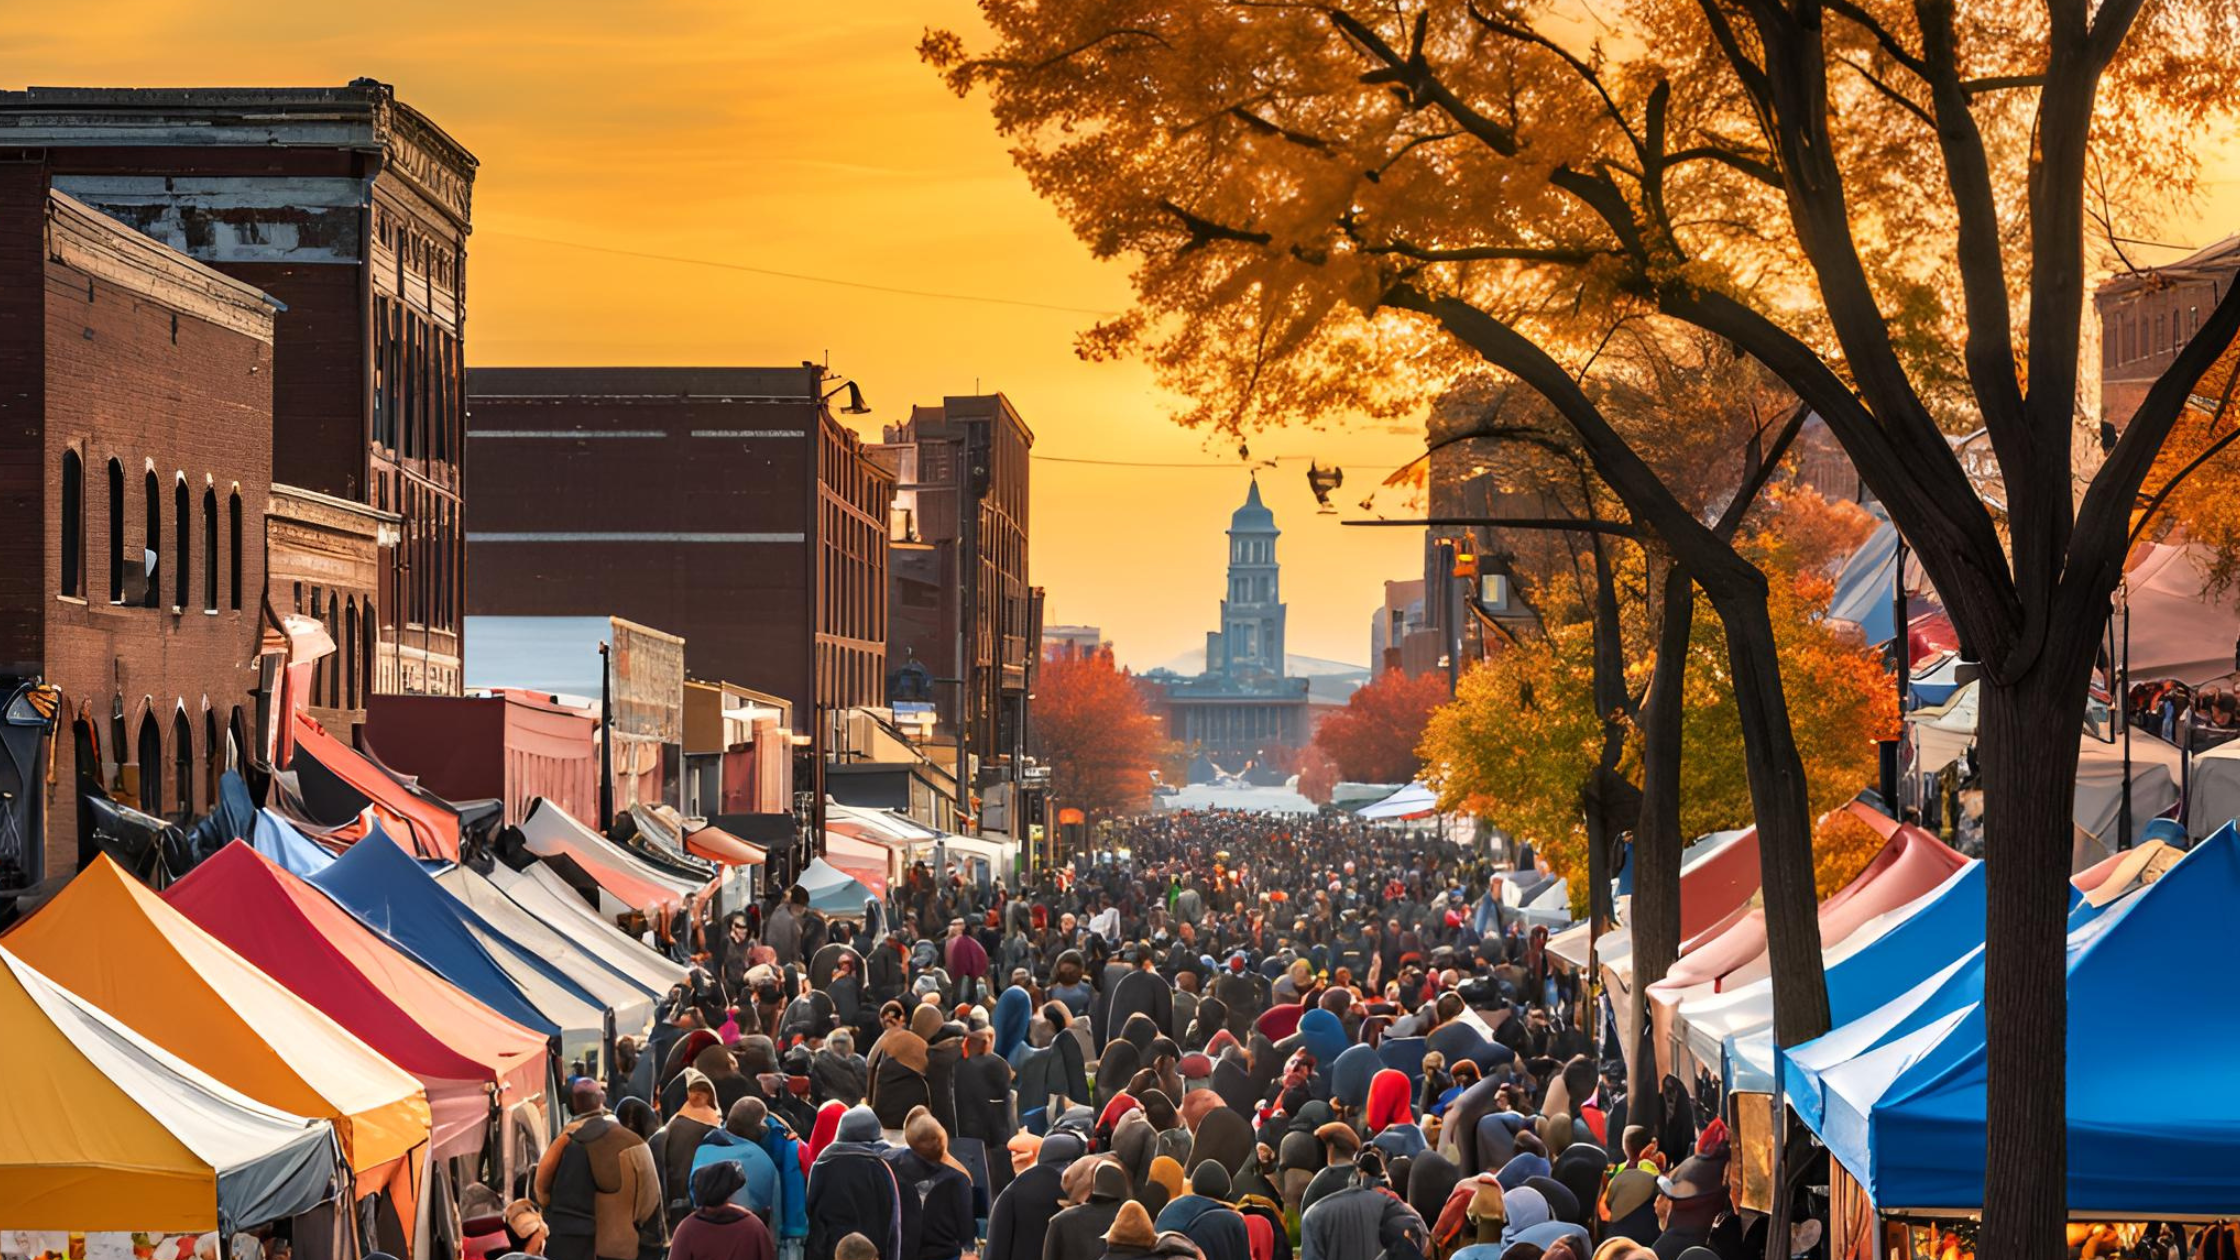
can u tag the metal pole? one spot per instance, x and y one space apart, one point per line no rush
606 740
2123 812
1902 616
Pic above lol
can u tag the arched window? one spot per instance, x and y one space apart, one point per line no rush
73 524
152 549
350 654
321 667
210 553
237 740
371 631
184 546
116 532
233 547
151 765
213 757
182 772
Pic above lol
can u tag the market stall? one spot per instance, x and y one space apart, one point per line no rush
623 882
615 990
542 892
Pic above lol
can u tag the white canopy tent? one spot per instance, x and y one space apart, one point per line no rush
2156 770
1412 801
542 892
2213 797
2179 627
631 1003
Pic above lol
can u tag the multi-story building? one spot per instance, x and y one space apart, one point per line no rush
353 210
323 560
962 476
1060 641
2147 316
136 395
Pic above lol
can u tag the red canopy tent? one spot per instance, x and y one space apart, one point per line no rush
458 1047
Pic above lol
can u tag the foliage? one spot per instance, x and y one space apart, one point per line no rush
1522 734
1318 776
1842 845
2201 467
1095 733
1373 739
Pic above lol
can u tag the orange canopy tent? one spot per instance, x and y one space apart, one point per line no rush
424 828
456 1046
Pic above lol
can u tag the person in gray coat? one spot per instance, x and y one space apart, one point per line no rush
1361 1221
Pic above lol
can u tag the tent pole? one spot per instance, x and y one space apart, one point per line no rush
2123 813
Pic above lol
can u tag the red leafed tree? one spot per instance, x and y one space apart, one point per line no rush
1373 739
1095 734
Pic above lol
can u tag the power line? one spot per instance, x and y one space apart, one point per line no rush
805 278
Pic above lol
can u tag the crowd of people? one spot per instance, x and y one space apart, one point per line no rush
1218 1036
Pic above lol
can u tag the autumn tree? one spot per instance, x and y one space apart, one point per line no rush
1093 730
1373 739
1883 202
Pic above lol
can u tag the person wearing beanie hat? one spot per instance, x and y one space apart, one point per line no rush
852 1190
717 1228
1162 1185
1341 1142
935 1191
1078 1231
1205 1217
1131 1232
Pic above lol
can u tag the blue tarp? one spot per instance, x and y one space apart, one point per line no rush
832 891
1864 587
386 890
289 849
1901 1090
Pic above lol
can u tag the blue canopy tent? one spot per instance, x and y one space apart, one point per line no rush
1902 1099
1863 587
289 849
833 891
383 888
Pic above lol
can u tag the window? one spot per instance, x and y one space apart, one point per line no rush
116 532
184 544
73 524
151 765
237 739
213 757
182 771
350 653
233 548
152 548
210 551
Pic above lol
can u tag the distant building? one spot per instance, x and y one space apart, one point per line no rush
726 505
1072 641
2147 316
962 475
323 560
1399 636
352 209
1242 717
136 390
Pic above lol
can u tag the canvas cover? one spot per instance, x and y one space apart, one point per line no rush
549 832
457 1047
613 989
832 891
2156 769
104 1131
110 940
542 892
336 781
1901 1090
2179 628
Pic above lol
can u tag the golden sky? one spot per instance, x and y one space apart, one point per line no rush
806 139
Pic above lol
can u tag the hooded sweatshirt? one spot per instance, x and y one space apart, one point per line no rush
936 1194
1078 1232
1205 1217
1021 1215
851 1189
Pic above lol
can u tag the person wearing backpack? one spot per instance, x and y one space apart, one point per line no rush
596 1183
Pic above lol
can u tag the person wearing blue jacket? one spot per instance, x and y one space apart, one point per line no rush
736 1142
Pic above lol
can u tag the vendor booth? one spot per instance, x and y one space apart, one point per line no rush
542 892
629 1002
622 881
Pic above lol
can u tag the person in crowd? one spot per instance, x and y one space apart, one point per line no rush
935 1190
718 1228
596 1184
852 1189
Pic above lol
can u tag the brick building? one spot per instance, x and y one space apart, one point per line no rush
2145 316
726 505
353 210
933 456
136 392
323 560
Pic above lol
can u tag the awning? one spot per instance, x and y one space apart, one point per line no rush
2156 769
832 891
1413 801
544 894
104 1131
549 832
2181 626
457 1047
284 843
390 893
723 848
867 860
612 988
113 942
333 776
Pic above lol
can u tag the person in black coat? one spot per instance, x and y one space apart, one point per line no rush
1205 1217
1020 1219
1139 991
983 1102
1078 1232
852 1190
936 1194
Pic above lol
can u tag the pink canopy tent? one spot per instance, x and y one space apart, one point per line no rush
866 859
1718 883
1911 863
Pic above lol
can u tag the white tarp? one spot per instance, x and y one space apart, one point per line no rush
544 894
632 1005
2156 768
2178 628
1408 802
1943 732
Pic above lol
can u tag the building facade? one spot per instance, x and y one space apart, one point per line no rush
959 531
353 210
725 505
136 390
2147 316
1243 717
323 560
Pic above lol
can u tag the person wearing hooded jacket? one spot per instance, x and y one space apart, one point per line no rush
1359 1222
1132 1238
936 1193
852 1190
739 1142
718 1228
1205 1216
596 1183
1391 1125
1021 1216
1078 1231
983 1101
674 1144
897 1066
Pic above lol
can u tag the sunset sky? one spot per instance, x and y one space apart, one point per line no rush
807 140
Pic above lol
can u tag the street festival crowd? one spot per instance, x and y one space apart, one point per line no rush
1221 1035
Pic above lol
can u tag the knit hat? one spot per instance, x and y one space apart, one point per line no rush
1132 1228
1167 1174
1339 1137
1210 1180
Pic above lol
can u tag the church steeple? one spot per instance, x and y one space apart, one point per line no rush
1252 617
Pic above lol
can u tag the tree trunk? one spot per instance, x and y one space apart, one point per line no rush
2026 744
1657 842
1599 795
1784 813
